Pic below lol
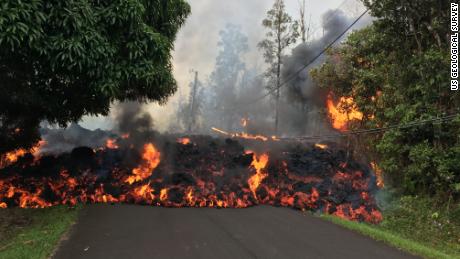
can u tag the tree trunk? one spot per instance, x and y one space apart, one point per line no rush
278 74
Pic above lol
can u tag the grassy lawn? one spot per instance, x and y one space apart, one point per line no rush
416 225
33 233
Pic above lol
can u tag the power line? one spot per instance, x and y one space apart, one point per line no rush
328 18
293 76
377 130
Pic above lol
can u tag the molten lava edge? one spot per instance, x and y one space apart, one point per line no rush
198 172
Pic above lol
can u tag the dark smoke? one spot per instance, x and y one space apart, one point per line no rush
132 119
64 140
303 101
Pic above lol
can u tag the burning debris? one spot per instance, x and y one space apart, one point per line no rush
244 135
196 171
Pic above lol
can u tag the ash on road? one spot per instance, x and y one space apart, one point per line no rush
127 231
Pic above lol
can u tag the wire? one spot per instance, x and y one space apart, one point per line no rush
293 76
328 18
376 130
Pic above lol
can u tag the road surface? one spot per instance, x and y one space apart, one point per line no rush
125 231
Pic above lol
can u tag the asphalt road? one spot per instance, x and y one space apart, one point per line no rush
124 231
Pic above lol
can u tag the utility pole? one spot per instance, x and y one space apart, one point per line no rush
192 103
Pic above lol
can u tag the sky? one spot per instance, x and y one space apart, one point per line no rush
196 43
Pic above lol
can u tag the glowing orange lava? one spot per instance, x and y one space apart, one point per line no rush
244 135
13 156
184 141
164 194
259 163
379 174
111 144
343 112
151 158
321 146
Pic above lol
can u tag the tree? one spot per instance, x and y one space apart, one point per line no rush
304 27
223 82
282 32
189 112
60 60
397 71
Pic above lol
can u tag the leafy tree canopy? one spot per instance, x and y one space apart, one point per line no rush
397 70
60 60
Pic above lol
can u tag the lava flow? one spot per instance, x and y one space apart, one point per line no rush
196 171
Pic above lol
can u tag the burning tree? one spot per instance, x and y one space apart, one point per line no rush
61 60
394 72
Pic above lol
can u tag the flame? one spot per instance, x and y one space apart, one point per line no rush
199 183
144 193
184 141
244 135
13 156
379 174
321 146
125 136
164 194
189 197
111 144
341 117
151 158
346 211
259 163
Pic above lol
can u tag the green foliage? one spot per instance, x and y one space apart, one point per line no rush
418 225
397 70
33 233
60 60
423 220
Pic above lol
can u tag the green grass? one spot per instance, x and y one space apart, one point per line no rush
416 225
33 233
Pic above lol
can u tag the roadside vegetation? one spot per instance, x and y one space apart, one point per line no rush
418 225
33 233
397 72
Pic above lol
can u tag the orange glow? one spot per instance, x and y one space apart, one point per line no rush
189 197
125 136
259 163
164 194
144 192
244 135
151 158
13 156
37 148
184 141
346 211
339 113
3 205
111 144
379 174
321 146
